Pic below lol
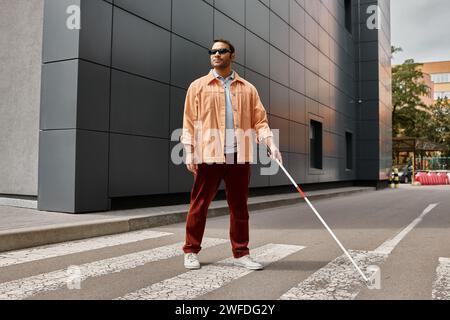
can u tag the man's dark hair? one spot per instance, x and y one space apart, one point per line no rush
227 42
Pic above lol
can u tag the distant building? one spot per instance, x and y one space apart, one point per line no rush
428 99
440 75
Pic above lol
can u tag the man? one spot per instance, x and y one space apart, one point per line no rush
218 106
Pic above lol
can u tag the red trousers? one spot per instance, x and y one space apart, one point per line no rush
206 183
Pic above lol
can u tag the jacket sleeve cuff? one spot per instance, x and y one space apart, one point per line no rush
186 138
263 134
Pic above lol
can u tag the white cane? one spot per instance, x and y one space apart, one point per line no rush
320 218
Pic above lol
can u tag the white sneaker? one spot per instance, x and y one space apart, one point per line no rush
248 262
191 261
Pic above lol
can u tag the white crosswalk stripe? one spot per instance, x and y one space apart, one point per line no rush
51 251
27 287
441 284
337 280
195 283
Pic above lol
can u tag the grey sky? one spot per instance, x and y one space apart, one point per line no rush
422 29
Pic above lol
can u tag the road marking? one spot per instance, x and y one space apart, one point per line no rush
27 287
195 283
62 249
338 280
388 246
441 285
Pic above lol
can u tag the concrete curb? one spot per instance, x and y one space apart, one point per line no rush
37 236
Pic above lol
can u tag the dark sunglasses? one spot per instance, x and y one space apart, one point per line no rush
220 51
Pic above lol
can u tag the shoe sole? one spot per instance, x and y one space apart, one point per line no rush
192 268
249 268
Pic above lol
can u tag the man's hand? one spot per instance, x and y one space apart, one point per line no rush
192 168
274 152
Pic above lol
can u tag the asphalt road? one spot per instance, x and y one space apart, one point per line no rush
405 232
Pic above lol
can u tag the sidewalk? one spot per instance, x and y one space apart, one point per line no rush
27 227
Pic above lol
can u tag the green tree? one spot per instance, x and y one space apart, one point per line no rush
440 124
410 116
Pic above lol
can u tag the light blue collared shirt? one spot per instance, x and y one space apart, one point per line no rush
230 140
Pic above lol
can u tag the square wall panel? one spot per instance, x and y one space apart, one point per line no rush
235 9
324 92
59 95
281 8
279 33
257 54
193 20
282 125
262 84
91 171
257 178
297 76
75 94
330 144
280 178
57 162
91 42
93 97
312 106
324 67
331 170
59 42
298 136
156 11
279 66
189 62
239 69
138 166
177 100
257 18
297 17
140 47
297 106
297 46
279 100
311 57
180 178
312 85
139 106
324 42
95 34
73 176
311 30
312 7
297 167
225 28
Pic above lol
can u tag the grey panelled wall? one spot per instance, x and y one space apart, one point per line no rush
374 139
113 92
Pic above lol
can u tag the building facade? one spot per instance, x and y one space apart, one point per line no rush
111 93
440 76
428 98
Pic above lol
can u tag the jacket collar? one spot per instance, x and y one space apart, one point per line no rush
210 77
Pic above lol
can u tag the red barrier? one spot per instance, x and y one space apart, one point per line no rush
432 178
443 178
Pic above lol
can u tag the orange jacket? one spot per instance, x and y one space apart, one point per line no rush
204 119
